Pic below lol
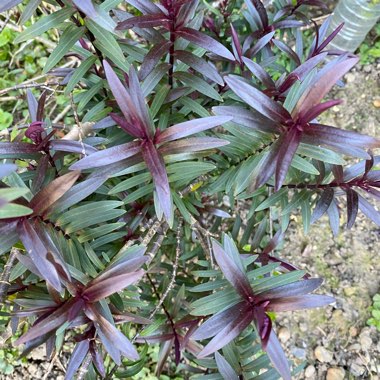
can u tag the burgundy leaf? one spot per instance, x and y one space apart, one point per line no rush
97 359
285 155
352 207
287 50
277 356
308 301
139 101
52 192
123 98
297 288
146 21
106 287
118 339
32 105
287 24
205 41
156 166
79 353
259 6
274 242
72 146
86 7
315 93
259 72
216 323
248 118
126 126
191 127
257 100
368 210
229 332
262 42
199 65
225 368
17 148
330 37
340 136
38 253
323 204
315 111
192 144
145 6
108 156
236 44
50 323
232 272
41 106
152 58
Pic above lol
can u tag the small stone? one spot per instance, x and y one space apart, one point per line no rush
323 355
350 77
376 103
284 334
299 353
335 374
367 68
350 291
356 369
310 371
354 347
366 342
353 331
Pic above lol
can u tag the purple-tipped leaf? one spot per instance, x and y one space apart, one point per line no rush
32 105
277 356
323 204
52 192
232 272
72 147
156 166
308 301
262 42
8 4
260 73
368 210
192 144
105 288
146 21
315 111
191 127
352 207
229 332
108 156
258 100
79 353
152 58
202 40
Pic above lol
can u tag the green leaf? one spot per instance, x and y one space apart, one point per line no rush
88 95
130 182
12 193
303 165
99 231
263 284
69 37
12 210
159 99
321 154
194 106
79 73
273 199
198 84
45 23
296 201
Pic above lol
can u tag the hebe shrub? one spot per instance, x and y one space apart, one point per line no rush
156 220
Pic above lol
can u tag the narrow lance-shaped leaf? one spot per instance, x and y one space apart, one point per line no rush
232 272
257 100
309 301
225 368
323 204
77 357
352 207
277 356
205 41
52 192
156 166
8 4
191 127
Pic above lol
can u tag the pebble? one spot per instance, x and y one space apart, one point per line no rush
350 77
299 353
310 371
356 369
350 291
284 334
335 374
367 68
323 355
365 341
353 331
376 103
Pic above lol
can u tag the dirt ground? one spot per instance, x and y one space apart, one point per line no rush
336 343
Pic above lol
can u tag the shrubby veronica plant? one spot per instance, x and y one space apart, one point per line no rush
132 230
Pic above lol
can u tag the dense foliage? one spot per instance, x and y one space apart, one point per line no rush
157 218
